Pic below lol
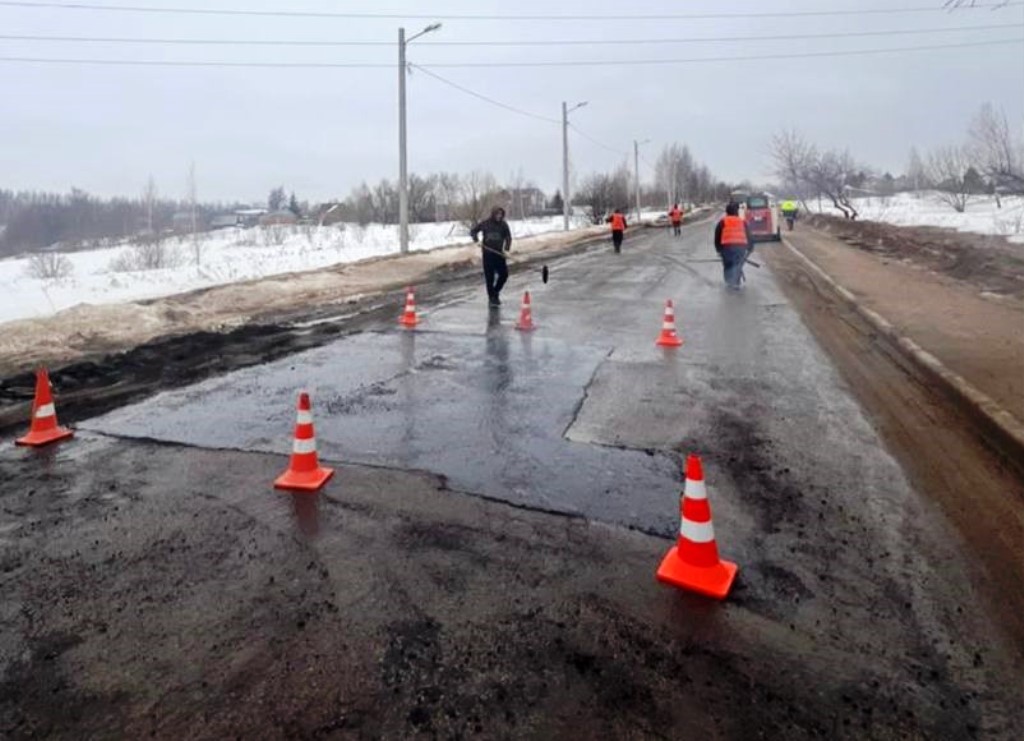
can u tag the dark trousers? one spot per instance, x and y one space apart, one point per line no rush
495 273
676 228
617 239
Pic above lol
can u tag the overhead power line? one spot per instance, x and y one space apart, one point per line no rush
502 42
483 97
481 64
598 142
488 17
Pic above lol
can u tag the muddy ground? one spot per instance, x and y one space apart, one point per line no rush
988 262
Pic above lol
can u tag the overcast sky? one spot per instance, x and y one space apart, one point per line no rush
321 131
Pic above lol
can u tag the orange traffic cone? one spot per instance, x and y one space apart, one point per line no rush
44 429
409 318
304 470
525 323
668 336
693 562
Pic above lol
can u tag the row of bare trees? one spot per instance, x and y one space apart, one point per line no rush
991 160
444 196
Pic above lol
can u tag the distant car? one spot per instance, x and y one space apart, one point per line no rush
761 213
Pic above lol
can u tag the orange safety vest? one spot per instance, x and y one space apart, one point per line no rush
676 215
618 223
734 231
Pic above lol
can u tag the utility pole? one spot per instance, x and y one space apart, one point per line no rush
403 175
403 167
565 161
636 167
565 167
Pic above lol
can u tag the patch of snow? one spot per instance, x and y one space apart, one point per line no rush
226 256
982 215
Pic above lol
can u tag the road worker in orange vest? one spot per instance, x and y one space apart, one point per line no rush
619 225
676 217
733 244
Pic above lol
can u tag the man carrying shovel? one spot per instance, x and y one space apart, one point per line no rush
497 240
733 244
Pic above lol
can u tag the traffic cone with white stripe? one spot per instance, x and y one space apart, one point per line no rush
44 429
304 470
668 336
409 318
693 562
525 323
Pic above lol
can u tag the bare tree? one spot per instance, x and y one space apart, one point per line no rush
995 150
479 190
833 174
149 196
49 266
192 193
797 163
947 169
917 173
603 192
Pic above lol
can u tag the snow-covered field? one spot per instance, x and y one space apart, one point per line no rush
927 209
225 256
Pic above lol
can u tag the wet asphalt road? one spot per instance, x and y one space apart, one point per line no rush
853 615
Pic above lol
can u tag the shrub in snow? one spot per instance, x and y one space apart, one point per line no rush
273 235
49 266
150 254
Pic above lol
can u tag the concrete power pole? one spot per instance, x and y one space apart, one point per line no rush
565 167
403 175
636 167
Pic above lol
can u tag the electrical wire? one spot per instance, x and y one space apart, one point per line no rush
169 10
506 65
499 42
598 142
483 97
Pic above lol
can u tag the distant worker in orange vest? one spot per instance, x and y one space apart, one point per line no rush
676 216
619 225
733 244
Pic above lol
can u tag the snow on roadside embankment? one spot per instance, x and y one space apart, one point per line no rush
982 216
99 276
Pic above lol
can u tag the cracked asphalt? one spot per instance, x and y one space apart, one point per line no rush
482 563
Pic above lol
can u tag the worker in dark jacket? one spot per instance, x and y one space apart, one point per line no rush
733 244
497 240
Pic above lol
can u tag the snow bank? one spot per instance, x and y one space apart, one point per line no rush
927 209
226 256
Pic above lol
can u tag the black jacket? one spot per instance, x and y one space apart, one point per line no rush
496 234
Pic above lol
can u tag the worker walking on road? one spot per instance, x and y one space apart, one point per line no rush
733 244
676 217
619 226
789 212
497 240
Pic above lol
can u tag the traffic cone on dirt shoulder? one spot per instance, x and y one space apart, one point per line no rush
693 562
409 318
44 429
304 470
525 323
668 336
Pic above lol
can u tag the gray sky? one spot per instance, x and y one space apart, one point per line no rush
322 131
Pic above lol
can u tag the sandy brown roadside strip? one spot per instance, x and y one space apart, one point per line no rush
87 330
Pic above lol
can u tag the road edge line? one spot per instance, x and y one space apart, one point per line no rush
1008 429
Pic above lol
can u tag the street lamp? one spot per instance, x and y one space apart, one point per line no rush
636 166
565 161
403 173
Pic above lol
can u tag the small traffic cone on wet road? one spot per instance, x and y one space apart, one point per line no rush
409 318
44 429
525 323
693 561
668 336
304 470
